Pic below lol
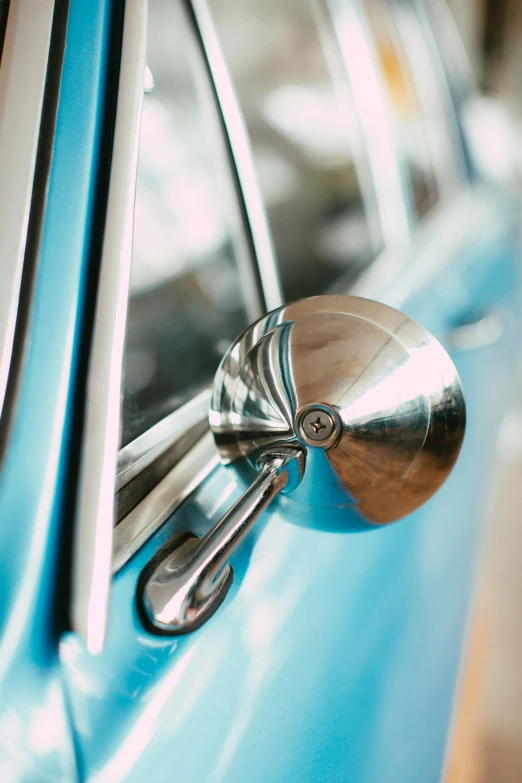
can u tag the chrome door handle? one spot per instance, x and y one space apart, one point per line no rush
484 330
341 402
191 581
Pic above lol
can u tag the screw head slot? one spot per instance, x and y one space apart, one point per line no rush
318 425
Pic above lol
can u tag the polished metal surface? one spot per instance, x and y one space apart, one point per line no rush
460 173
191 581
318 427
342 79
95 503
361 61
385 390
458 61
225 126
134 529
22 83
241 153
133 493
433 96
144 450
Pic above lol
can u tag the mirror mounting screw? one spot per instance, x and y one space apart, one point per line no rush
317 425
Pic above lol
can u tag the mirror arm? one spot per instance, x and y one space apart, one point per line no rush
188 579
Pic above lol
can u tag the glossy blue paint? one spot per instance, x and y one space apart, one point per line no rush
34 720
334 657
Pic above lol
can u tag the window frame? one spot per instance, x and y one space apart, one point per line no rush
456 69
218 91
103 467
353 33
335 63
93 529
396 258
25 52
448 182
259 283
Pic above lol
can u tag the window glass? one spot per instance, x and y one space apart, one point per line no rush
406 105
294 94
186 303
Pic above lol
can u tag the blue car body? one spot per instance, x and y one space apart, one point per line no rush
335 657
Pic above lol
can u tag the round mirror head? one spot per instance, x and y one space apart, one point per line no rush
370 396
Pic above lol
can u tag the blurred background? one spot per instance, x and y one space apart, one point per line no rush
487 742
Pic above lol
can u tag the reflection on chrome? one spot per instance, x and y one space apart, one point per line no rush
192 579
148 81
385 379
340 401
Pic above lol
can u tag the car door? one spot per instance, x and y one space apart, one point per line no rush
334 657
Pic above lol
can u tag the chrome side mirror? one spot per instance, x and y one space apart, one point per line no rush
343 402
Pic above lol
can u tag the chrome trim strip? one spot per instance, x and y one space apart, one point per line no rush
251 285
95 502
142 451
449 36
429 87
136 490
22 83
349 25
242 156
448 106
337 68
151 513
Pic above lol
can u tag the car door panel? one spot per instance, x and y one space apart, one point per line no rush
331 656
35 478
334 656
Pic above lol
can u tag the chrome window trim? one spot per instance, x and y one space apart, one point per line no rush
23 73
451 42
353 34
250 284
148 516
93 534
449 107
141 452
430 90
144 450
405 175
241 154
336 65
